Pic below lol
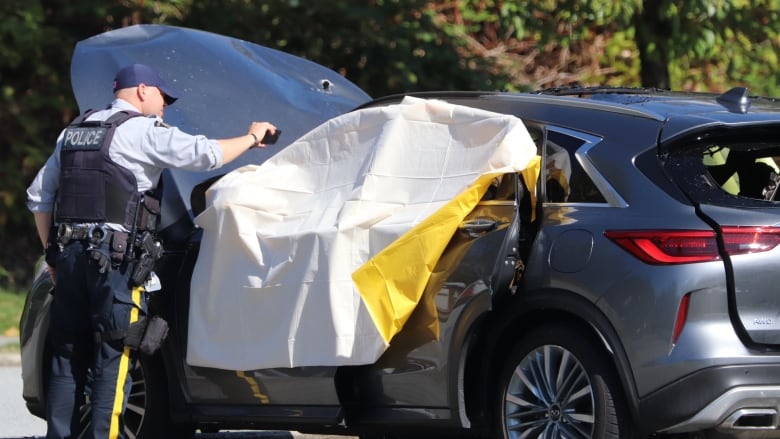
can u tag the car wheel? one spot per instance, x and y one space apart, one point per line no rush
146 415
557 384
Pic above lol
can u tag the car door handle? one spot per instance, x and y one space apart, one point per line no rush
477 227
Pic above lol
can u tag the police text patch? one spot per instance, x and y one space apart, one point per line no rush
83 138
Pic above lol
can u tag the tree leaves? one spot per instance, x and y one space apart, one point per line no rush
389 46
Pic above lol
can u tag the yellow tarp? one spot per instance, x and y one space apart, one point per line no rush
392 282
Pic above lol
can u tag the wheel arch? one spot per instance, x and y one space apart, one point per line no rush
520 314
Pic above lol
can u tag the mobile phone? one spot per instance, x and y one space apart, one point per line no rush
270 139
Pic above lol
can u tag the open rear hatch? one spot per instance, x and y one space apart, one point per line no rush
731 175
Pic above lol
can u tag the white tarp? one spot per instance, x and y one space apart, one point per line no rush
273 285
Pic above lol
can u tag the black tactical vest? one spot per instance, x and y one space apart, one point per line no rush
94 189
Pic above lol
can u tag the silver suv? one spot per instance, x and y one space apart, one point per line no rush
625 293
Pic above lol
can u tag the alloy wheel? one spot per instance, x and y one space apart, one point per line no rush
549 395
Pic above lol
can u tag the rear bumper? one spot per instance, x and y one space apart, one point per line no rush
737 399
748 409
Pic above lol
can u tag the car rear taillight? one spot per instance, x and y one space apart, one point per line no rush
661 247
743 240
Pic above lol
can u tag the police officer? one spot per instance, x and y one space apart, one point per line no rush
101 176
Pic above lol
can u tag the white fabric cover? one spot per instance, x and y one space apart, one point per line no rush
272 285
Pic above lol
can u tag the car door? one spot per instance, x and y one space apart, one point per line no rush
423 367
268 394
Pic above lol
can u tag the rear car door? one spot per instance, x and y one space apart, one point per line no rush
423 366
421 375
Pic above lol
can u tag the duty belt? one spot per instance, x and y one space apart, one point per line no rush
95 234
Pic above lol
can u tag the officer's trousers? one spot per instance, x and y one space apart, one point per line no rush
87 302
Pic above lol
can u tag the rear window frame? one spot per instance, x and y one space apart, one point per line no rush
683 161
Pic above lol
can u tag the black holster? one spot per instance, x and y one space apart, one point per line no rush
145 335
52 248
118 247
148 213
150 250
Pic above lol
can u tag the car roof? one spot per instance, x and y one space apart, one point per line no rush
679 113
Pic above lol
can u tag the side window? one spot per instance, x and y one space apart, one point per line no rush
564 179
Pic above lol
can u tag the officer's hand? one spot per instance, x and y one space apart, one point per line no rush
259 129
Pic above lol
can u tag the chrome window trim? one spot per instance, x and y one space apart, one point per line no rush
610 194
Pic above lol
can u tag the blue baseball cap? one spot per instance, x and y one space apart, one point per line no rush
135 74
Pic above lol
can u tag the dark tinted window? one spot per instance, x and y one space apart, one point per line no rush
564 178
565 181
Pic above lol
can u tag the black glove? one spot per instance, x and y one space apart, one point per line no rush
102 259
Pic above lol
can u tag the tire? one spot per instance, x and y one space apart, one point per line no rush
557 383
146 414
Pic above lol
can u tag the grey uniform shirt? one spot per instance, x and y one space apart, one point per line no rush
143 145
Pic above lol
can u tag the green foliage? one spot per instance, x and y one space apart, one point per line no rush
11 305
36 99
717 44
536 44
384 46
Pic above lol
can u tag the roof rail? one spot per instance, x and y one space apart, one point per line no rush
735 100
578 90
